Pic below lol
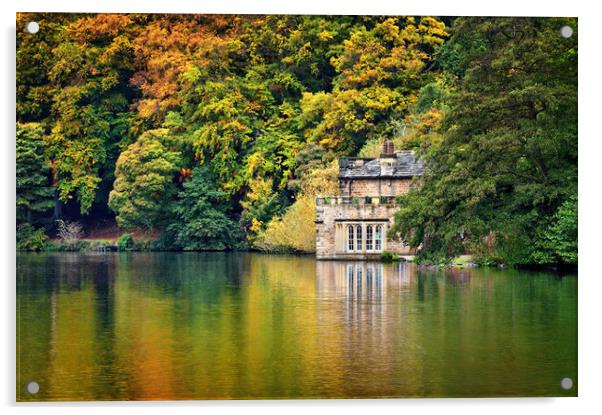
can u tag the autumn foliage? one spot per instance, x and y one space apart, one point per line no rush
123 110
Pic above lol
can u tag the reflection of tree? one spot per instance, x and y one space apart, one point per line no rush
191 326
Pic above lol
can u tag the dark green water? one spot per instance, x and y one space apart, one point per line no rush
211 326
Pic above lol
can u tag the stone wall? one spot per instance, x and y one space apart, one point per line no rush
375 187
331 217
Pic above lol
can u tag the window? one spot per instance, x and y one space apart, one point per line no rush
369 237
378 238
349 238
365 237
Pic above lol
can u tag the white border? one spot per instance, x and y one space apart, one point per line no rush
378 7
590 146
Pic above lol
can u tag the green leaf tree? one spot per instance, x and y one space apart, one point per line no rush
145 183
34 191
200 220
89 76
508 157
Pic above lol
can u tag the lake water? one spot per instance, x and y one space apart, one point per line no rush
131 326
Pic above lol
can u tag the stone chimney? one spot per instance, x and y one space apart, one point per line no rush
388 149
387 158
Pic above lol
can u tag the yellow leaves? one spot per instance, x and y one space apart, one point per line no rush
254 107
287 60
325 35
379 99
313 105
433 30
254 162
388 30
109 81
294 231
423 129
256 225
390 50
119 54
259 189
379 74
321 182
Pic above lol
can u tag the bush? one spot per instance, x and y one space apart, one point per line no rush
561 236
432 258
30 239
488 261
144 245
164 242
77 246
51 246
293 232
389 257
126 242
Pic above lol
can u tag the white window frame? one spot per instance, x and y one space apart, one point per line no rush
378 230
350 240
369 237
359 234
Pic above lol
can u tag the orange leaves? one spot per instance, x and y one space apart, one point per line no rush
184 174
100 27
168 48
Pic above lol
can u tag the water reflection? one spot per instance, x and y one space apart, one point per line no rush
216 325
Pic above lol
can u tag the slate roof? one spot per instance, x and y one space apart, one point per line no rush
403 165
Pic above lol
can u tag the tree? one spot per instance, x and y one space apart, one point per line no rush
89 78
560 238
261 103
223 117
379 71
34 191
508 158
168 46
200 220
145 181
34 59
295 230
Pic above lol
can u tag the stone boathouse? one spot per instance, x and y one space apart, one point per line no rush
354 224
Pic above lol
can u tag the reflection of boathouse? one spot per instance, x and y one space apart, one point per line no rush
354 225
361 280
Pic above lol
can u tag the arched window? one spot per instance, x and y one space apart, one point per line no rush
378 238
369 236
350 238
358 237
